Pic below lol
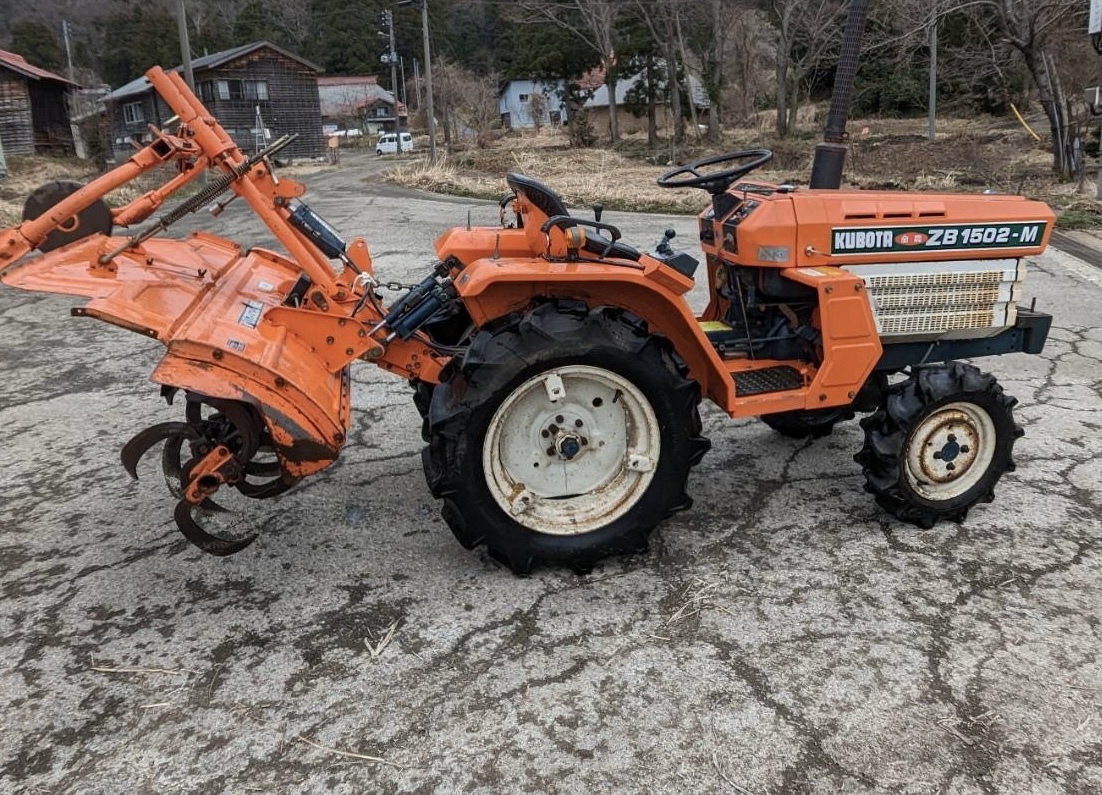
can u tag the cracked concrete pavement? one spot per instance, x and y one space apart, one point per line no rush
783 636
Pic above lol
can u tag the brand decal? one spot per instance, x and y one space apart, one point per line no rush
918 238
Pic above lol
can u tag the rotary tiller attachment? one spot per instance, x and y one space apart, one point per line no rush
228 444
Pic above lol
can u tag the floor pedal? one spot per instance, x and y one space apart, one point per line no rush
768 379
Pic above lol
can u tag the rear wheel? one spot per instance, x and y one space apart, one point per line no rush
563 438
938 445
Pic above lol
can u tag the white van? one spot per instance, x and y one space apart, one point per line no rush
392 143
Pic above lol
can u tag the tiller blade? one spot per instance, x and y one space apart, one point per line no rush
223 445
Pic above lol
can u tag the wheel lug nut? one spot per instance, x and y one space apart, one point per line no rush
952 437
937 454
545 433
577 423
559 418
551 450
553 428
964 448
950 466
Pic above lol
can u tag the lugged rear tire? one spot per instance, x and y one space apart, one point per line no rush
939 444
562 438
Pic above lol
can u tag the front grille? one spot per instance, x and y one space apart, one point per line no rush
927 300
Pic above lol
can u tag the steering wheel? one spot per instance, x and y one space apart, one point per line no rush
716 182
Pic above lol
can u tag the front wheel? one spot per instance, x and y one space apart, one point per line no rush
939 443
562 438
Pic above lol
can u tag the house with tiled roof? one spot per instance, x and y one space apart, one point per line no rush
358 102
34 113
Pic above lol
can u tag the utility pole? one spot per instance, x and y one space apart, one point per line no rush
932 131
424 4
402 65
428 78
185 47
1094 28
392 59
417 81
68 47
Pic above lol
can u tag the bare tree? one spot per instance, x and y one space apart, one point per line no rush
596 23
749 48
1032 27
660 17
805 30
712 33
537 109
468 102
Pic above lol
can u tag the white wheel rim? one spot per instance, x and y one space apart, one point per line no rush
950 451
571 450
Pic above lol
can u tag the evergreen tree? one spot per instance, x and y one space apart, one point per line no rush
38 44
137 36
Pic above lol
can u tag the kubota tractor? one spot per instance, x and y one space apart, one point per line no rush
558 370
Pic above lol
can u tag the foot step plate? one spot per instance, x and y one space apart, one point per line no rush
769 379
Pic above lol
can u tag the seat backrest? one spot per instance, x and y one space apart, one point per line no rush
551 204
542 197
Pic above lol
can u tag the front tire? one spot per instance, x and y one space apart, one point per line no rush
562 438
939 443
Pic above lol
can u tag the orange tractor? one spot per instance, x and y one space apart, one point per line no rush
558 370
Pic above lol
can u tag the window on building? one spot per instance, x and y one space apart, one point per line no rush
523 97
132 113
256 90
234 90
382 112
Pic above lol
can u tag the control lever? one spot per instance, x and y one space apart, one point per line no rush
663 246
598 210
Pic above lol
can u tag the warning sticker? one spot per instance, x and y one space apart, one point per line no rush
250 315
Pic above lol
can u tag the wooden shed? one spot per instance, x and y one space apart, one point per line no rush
257 91
34 113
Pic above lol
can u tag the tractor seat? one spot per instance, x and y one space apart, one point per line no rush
549 203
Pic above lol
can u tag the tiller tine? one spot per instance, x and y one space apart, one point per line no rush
133 450
174 472
211 544
222 445
173 434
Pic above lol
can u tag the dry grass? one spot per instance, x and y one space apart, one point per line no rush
27 173
581 176
972 154
969 155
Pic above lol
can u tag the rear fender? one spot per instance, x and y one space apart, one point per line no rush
494 288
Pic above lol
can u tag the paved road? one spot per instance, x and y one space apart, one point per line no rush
782 637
